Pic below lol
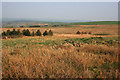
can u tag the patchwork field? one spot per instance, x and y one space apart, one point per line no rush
63 55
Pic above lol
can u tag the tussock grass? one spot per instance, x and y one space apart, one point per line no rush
59 58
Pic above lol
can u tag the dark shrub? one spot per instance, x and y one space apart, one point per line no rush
33 34
85 32
45 33
8 32
89 32
78 32
21 26
26 32
38 33
4 34
50 33
14 32
18 32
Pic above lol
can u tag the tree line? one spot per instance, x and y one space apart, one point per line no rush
26 33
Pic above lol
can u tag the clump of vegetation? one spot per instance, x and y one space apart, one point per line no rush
26 32
33 34
89 32
78 32
4 34
45 33
18 32
38 33
8 32
84 32
14 33
50 33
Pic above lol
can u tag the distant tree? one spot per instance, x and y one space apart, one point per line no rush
45 33
82 32
33 34
21 26
26 32
85 32
8 32
18 32
38 33
50 33
14 32
78 32
89 32
4 34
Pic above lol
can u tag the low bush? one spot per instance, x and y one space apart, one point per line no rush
45 33
50 33
78 32
33 34
38 33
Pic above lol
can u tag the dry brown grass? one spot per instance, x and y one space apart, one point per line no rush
58 61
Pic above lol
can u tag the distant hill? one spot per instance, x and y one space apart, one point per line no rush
30 22
96 23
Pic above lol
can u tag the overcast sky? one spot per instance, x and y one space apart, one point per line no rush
79 11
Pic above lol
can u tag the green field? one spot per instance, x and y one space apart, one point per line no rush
96 23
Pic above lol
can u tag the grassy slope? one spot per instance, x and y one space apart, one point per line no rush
86 23
63 23
95 23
